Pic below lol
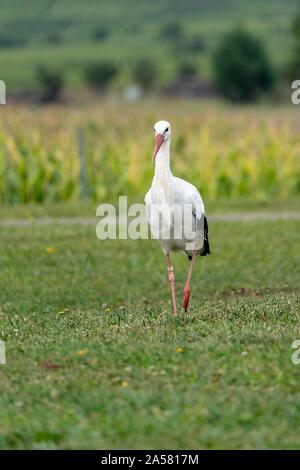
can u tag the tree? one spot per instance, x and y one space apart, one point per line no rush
187 69
196 44
242 68
100 74
100 34
173 35
172 32
54 38
145 73
51 83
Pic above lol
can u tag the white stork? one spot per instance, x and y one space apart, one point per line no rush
168 197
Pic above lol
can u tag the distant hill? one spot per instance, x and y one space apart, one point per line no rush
68 34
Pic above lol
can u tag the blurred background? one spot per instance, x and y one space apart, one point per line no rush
86 80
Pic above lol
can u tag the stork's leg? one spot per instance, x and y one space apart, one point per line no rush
171 278
186 292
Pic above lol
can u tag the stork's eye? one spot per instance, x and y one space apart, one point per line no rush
167 129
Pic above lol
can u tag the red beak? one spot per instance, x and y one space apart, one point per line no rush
158 144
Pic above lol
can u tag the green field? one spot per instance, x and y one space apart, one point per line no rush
95 359
61 34
230 153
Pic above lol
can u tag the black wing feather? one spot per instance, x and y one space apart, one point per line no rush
206 250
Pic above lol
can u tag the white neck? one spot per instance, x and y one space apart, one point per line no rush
162 162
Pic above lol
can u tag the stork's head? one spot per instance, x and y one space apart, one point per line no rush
162 130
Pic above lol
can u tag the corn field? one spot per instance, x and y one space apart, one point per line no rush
104 150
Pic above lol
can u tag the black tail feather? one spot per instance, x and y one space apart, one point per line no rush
206 250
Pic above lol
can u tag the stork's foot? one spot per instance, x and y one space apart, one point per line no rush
186 298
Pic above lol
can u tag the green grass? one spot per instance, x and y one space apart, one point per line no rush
116 370
134 28
33 211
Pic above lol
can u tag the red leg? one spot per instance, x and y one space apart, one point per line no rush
171 278
186 292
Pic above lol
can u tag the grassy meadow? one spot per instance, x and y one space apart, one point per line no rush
96 360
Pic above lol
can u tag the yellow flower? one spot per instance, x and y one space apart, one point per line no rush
179 349
50 250
124 384
81 352
65 310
